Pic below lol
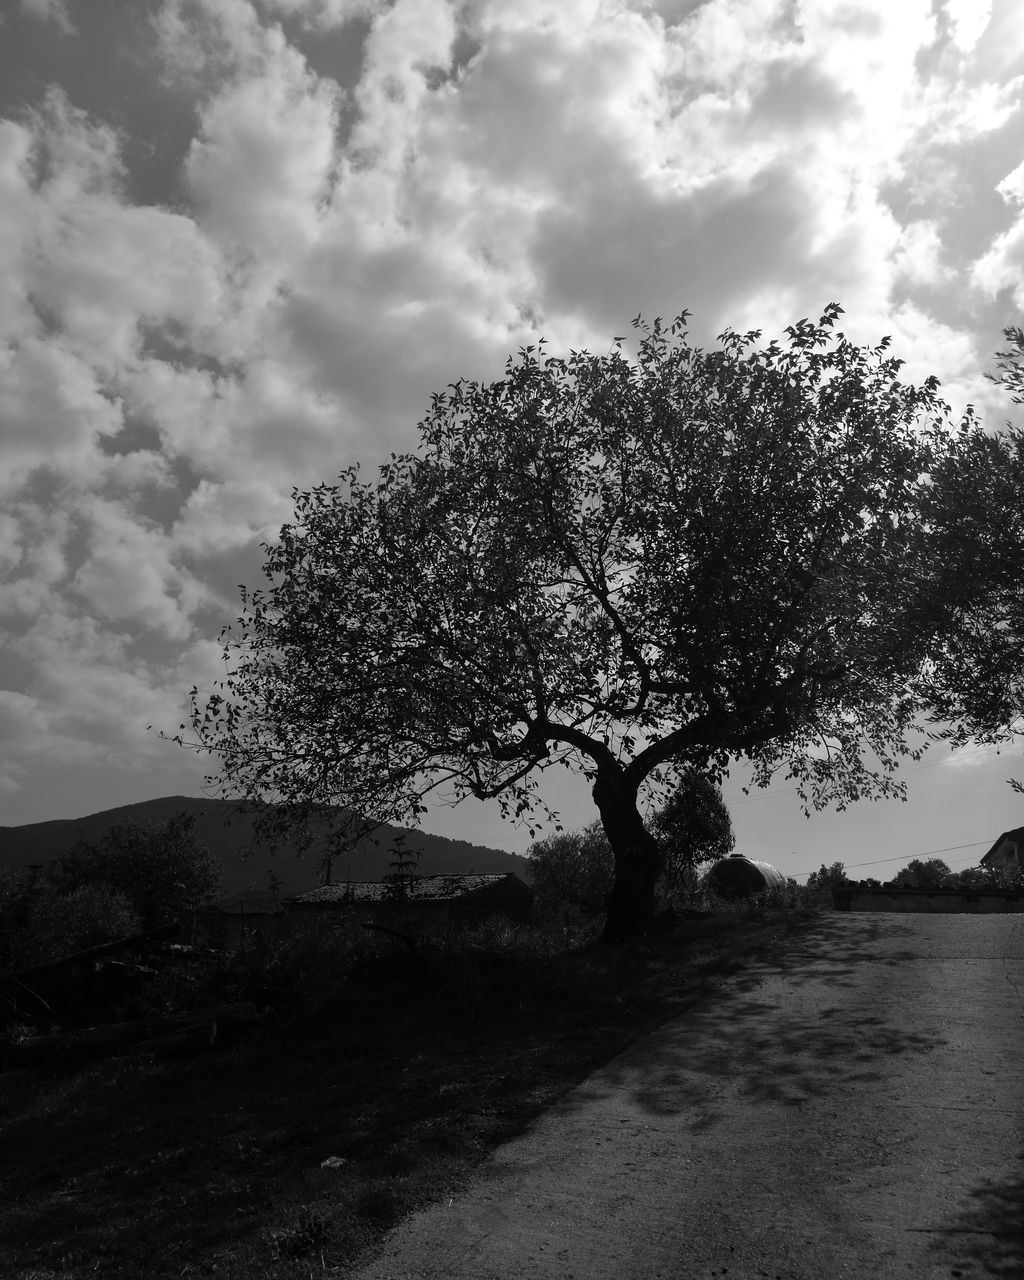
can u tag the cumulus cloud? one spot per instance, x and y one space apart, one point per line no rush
339 252
918 254
1002 266
54 12
322 15
261 165
127 576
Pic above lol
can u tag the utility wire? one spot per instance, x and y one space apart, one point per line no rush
901 856
951 848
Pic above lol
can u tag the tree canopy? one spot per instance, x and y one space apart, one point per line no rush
627 567
831 877
574 868
976 682
917 874
163 869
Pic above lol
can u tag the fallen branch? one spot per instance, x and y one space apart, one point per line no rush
104 949
196 1030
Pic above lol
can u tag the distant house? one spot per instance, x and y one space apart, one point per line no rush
423 899
1007 854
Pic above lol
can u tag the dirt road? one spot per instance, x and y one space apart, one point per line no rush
853 1109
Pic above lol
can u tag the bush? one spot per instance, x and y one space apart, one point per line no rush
162 869
575 869
59 924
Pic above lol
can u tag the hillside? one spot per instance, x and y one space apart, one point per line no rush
228 834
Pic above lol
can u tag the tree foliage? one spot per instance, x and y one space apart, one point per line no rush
985 878
575 868
624 567
162 869
929 874
833 877
976 681
693 827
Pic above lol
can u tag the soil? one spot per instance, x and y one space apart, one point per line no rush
848 1108
366 1093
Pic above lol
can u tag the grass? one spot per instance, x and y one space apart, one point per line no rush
379 1090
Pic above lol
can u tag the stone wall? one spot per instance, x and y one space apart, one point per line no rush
964 901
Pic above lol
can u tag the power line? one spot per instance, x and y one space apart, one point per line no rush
951 848
924 853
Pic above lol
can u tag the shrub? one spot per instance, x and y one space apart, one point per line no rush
164 870
574 868
59 924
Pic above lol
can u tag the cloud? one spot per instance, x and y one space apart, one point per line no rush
261 166
1001 267
972 756
127 576
322 15
84 275
336 253
52 406
92 699
52 11
968 20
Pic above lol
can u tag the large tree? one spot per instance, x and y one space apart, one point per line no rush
629 567
693 827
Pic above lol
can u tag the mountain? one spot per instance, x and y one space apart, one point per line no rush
229 836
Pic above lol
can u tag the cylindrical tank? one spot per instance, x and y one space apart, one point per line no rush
739 877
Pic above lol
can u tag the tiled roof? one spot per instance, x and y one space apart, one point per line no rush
1016 836
422 889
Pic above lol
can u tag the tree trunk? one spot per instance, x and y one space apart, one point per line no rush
638 858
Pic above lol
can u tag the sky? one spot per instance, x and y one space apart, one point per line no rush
243 241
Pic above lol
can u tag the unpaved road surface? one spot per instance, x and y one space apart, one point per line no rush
852 1108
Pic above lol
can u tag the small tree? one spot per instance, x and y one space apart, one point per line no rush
693 827
163 870
921 875
575 867
833 877
625 568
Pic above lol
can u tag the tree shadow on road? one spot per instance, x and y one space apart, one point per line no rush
988 1233
741 1037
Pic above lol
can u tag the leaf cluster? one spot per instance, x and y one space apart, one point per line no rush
161 870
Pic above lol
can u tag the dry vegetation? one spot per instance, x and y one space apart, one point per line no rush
400 1072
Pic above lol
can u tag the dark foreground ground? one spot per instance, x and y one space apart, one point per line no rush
408 1076
849 1107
